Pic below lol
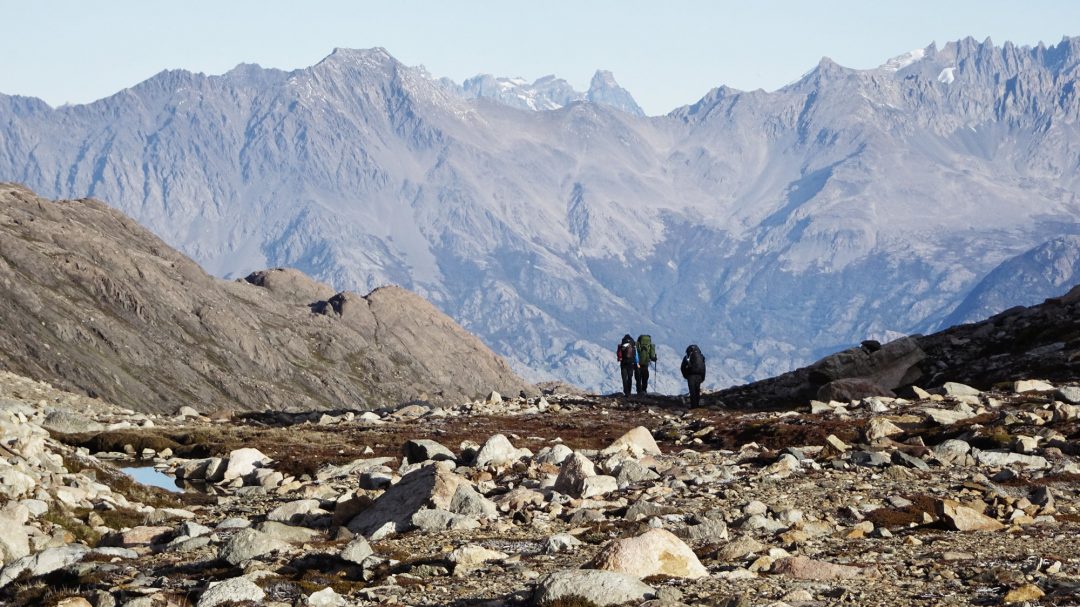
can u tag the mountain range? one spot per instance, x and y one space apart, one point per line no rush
768 227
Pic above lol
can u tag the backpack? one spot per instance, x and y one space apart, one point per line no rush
627 349
694 362
646 349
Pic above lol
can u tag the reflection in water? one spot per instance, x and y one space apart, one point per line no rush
147 475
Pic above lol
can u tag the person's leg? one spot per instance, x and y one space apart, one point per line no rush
694 383
643 385
627 378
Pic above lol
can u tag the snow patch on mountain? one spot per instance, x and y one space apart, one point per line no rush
901 61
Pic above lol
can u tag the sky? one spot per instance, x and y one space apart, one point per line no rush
666 53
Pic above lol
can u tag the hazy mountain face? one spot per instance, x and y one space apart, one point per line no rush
768 228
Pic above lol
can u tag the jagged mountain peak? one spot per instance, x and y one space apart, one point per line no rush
549 92
604 90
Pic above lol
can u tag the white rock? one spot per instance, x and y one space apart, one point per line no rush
655 552
957 389
248 544
243 462
597 485
326 598
235 590
498 451
600 588
1031 385
638 442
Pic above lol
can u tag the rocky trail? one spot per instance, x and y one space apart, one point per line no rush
960 497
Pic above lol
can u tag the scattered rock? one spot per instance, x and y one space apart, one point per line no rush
591 586
803 568
248 544
234 590
655 552
962 518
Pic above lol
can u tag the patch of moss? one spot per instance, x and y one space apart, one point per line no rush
80 530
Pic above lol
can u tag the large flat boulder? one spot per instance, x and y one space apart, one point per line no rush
431 486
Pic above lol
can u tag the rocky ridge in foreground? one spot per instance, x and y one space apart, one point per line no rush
962 497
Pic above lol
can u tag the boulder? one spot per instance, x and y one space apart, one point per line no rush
879 428
139 536
14 539
946 417
1069 394
519 498
431 486
291 534
326 598
560 542
1031 385
471 556
248 544
234 590
1002 459
357 550
739 548
498 451
952 451
63 421
14 483
637 442
437 519
592 587
243 462
600 484
951 388
891 366
553 455
655 552
572 474
1023 594
419 450
851 389
961 518
712 530
295 511
467 502
631 471
43 562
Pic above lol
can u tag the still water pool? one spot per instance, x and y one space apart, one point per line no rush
147 475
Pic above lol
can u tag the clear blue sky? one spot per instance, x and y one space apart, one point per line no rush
667 53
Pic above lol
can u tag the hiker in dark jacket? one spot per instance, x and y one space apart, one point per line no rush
626 354
646 353
693 369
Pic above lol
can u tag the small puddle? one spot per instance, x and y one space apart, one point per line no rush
147 475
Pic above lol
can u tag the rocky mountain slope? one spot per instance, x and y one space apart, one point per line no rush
768 227
965 497
93 302
1036 341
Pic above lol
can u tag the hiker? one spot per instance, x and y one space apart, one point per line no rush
693 369
626 354
646 352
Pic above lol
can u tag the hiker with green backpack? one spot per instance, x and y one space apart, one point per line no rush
646 352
